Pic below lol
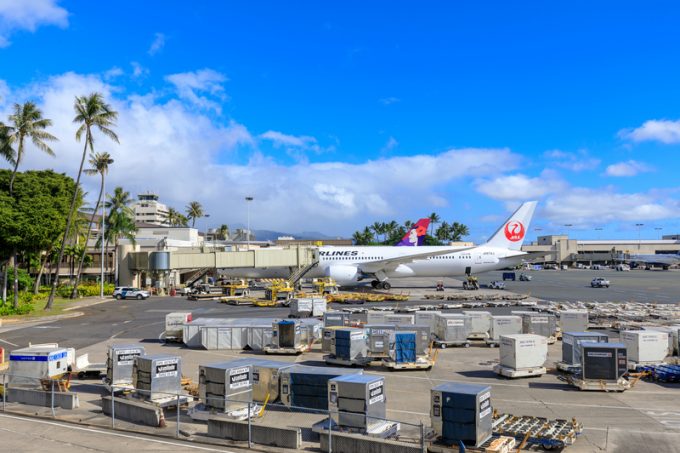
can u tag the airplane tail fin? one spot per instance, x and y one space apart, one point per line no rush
416 235
511 234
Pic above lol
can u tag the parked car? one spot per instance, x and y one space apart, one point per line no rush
125 292
622 267
497 285
599 282
524 278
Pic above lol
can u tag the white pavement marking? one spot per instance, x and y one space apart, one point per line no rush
111 433
46 327
8 342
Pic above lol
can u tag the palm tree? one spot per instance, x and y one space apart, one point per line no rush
173 217
100 165
443 232
91 112
6 150
408 224
378 228
194 211
223 232
434 218
25 123
120 222
458 230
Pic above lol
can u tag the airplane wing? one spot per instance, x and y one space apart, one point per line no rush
392 263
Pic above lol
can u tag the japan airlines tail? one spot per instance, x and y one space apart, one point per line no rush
511 234
416 235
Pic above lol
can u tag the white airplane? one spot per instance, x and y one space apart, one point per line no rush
353 265
665 260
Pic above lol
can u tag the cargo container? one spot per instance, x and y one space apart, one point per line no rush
538 323
120 361
672 332
157 376
307 386
28 365
226 386
462 413
336 318
377 317
349 343
403 346
503 325
480 323
427 318
645 346
603 362
357 401
327 338
571 341
574 320
174 324
306 307
286 334
523 351
399 319
423 337
452 330
378 339
224 337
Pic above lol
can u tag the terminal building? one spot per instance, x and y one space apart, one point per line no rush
560 249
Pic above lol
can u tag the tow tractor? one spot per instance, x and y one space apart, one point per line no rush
471 283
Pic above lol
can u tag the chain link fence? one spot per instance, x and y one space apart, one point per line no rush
184 416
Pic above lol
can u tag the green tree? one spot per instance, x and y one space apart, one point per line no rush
194 211
120 222
34 218
223 232
173 217
26 123
434 219
100 166
91 113
443 232
458 231
378 228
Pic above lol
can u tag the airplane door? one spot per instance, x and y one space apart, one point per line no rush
477 258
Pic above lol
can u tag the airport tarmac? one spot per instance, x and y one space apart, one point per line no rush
645 417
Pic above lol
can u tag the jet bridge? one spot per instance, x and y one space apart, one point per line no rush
296 258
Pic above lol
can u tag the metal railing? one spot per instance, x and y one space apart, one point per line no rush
175 408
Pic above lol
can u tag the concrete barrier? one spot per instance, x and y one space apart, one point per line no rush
276 436
34 397
352 443
134 411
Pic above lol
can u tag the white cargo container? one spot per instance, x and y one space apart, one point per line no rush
523 351
574 320
427 318
319 306
377 317
503 325
480 323
174 324
400 319
645 346
28 365
301 307
672 332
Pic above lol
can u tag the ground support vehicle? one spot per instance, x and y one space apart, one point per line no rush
599 282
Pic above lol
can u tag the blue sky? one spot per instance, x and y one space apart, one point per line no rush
333 115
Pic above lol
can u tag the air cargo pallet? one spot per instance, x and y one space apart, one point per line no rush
513 374
201 412
539 431
568 367
419 364
118 388
600 386
383 430
332 360
444 344
495 444
238 300
164 403
286 351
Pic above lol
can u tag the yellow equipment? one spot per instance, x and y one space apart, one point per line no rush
237 288
279 292
325 286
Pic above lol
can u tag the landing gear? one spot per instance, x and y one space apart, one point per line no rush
386 285
375 284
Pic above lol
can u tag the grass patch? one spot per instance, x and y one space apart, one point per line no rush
59 307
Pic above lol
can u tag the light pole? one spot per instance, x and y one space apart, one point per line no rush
639 225
101 278
248 200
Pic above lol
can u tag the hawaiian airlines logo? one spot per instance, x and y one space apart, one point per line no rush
514 231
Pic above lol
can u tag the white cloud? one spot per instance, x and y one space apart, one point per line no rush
582 206
157 44
29 15
298 141
628 168
664 131
183 155
138 70
577 161
191 85
520 187
389 101
390 145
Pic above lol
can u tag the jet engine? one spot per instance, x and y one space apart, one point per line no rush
343 275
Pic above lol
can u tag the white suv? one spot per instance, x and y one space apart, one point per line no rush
125 292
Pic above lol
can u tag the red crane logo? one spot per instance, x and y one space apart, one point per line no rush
514 231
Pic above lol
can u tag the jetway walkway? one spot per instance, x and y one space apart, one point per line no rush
297 257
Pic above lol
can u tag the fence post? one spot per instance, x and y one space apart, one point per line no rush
178 415
52 399
250 432
113 408
330 433
422 437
